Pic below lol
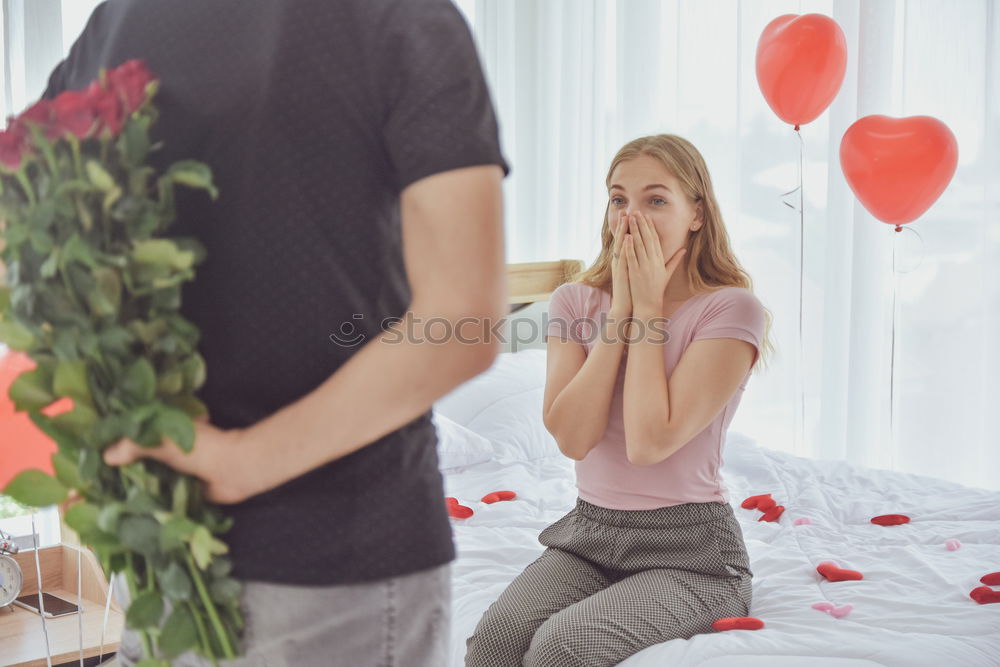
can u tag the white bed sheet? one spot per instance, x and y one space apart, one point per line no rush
912 608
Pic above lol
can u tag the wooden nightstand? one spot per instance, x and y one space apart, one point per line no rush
22 642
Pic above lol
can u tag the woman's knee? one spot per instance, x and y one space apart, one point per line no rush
560 644
500 638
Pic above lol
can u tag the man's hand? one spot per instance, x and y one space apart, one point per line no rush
215 460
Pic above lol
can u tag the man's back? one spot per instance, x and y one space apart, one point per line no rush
314 116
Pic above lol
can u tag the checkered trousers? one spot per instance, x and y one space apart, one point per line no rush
613 582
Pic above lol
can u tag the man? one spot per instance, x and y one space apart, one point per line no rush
355 150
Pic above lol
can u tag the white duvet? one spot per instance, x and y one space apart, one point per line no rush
911 609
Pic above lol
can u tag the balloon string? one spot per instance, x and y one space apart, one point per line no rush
892 359
41 602
800 376
79 597
802 238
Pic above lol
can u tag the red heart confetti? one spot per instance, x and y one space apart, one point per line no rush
830 570
450 502
497 496
751 502
772 514
890 519
766 504
460 511
991 579
984 595
738 623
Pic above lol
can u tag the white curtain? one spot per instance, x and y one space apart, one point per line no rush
573 80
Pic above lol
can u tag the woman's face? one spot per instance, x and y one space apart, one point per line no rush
643 184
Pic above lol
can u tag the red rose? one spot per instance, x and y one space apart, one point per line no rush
129 81
107 107
74 112
12 145
41 113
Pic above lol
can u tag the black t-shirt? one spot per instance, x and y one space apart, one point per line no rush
313 115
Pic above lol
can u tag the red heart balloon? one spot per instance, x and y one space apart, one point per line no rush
22 445
801 62
898 167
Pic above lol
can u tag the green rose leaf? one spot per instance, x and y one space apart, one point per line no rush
175 532
194 371
163 252
40 240
225 589
82 517
139 501
152 662
76 250
109 516
145 611
105 298
55 429
79 420
67 471
134 143
175 582
179 632
204 546
34 488
32 390
140 381
171 382
15 336
70 379
177 426
90 465
99 176
193 174
140 533
50 265
191 406
220 567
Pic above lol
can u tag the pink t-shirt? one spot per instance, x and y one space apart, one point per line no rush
605 477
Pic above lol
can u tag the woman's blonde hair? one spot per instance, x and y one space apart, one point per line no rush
709 262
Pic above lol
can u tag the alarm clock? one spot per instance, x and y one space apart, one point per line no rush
11 578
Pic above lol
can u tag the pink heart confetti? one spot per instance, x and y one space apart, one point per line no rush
802 520
840 612
952 544
832 609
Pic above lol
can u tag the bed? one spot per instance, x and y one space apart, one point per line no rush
912 608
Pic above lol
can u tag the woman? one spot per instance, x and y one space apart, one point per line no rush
649 352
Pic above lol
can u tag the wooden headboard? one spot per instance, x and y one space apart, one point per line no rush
531 282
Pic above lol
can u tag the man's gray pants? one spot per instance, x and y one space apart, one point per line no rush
401 621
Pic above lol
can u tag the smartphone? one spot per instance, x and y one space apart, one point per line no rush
54 606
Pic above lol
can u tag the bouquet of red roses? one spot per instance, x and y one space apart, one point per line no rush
92 295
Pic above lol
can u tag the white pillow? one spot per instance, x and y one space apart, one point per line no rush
504 405
457 445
